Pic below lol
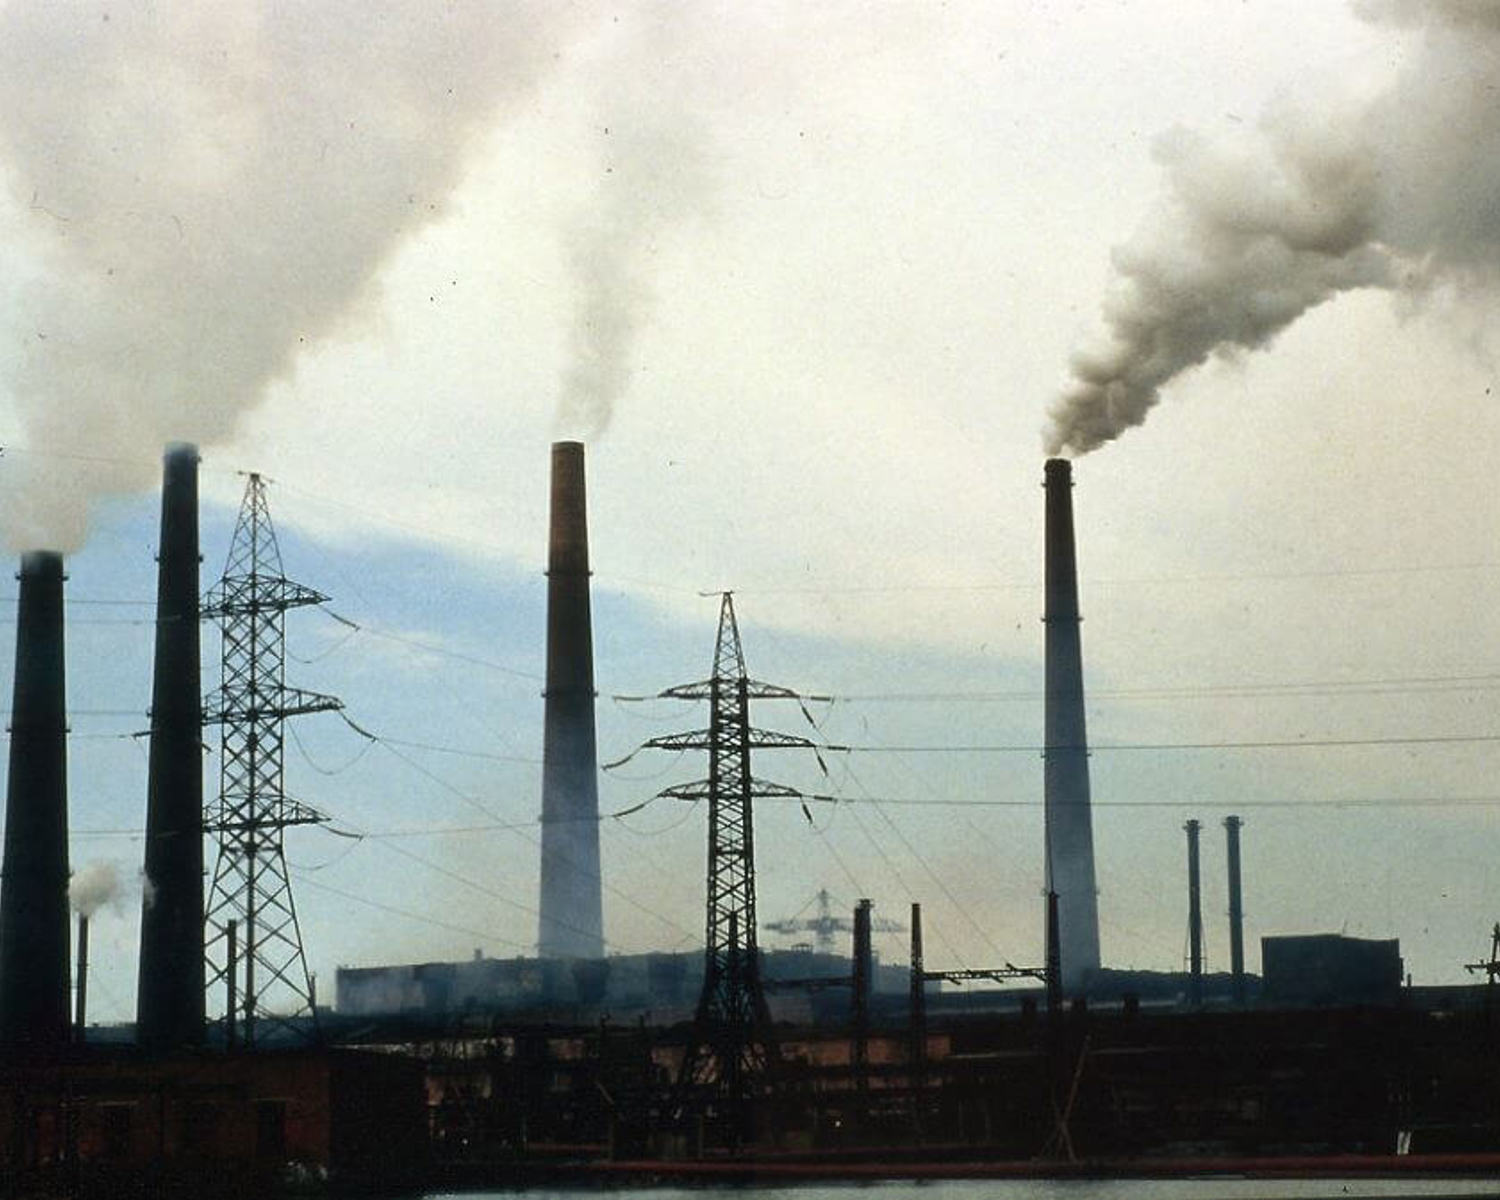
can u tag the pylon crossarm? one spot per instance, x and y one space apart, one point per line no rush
248 595
769 739
699 739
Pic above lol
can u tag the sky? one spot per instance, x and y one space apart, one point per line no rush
821 287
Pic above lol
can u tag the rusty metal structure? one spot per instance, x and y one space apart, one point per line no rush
251 889
34 921
1069 836
571 924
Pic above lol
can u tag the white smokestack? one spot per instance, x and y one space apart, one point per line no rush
1318 197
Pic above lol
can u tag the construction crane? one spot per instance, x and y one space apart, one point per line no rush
824 925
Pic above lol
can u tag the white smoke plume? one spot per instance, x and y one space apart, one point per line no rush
654 176
201 191
93 886
1400 191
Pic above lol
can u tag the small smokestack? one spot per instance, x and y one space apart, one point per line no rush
169 995
34 918
1236 909
1069 838
917 1014
572 921
1195 918
81 998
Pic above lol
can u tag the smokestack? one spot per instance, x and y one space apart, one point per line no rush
572 922
34 918
169 995
1069 838
917 1013
81 999
1236 909
1195 919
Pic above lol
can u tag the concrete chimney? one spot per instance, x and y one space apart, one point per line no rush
572 922
169 994
1069 839
34 919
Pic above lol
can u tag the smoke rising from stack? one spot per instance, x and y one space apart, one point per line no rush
654 175
93 886
211 189
1321 196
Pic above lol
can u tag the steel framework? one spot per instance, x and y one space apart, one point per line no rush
251 894
732 1052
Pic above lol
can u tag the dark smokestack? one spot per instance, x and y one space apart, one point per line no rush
1236 909
917 1014
169 996
81 976
864 970
34 917
1069 824
1195 918
572 922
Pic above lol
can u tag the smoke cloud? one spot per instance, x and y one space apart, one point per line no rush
204 190
1399 192
654 176
93 886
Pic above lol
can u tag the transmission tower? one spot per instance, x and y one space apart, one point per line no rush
252 940
732 1052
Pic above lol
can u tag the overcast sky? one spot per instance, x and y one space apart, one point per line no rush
812 281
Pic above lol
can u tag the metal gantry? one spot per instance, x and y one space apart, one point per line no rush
825 924
732 1052
252 941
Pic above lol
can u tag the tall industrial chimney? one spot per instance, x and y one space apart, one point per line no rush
1195 918
169 995
1069 840
34 919
572 921
1236 908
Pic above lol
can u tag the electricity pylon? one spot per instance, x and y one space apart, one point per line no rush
732 1052
252 940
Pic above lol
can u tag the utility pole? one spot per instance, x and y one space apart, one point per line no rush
250 900
732 1052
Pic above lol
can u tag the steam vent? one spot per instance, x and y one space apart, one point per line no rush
169 999
572 922
1069 835
34 933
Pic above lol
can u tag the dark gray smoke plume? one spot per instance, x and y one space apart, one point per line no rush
1319 197
206 189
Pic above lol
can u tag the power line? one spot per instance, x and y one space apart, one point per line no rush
1096 748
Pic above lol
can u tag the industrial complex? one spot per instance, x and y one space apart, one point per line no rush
730 1058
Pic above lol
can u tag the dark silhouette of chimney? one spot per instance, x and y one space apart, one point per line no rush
1236 908
572 922
169 995
1069 822
1195 918
34 923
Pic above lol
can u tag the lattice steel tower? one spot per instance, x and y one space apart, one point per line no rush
732 1050
253 943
